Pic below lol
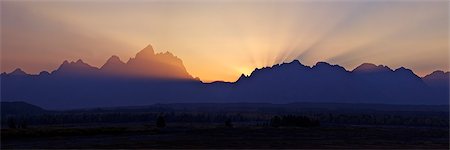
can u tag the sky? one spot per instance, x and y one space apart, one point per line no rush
220 40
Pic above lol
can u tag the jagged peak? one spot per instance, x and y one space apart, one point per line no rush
294 63
369 67
146 52
65 62
242 77
167 54
148 47
114 59
78 65
406 72
79 61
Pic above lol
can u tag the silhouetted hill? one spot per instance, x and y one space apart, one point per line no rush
75 69
18 72
332 83
20 108
151 78
369 68
437 79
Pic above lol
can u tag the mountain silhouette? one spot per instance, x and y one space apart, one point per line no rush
20 108
161 65
18 72
113 65
151 78
146 64
75 69
327 83
437 79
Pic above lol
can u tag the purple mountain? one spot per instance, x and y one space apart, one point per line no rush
437 79
150 78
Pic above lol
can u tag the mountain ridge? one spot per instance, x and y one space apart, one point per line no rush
146 64
118 83
115 61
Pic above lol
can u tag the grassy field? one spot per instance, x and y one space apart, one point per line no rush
218 136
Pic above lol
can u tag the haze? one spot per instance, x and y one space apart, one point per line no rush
221 40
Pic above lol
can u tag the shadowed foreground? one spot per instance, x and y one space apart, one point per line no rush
216 136
243 125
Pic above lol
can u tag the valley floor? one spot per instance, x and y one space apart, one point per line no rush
217 136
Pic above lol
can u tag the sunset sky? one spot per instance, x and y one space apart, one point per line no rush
222 39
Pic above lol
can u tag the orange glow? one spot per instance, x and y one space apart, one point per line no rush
222 40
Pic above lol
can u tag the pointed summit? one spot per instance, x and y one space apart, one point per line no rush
146 52
113 64
159 66
113 60
242 77
79 61
18 72
64 64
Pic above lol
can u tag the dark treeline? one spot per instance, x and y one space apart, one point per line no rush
293 121
298 119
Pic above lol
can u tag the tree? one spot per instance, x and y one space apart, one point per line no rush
160 122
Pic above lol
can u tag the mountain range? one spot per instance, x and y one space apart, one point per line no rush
151 78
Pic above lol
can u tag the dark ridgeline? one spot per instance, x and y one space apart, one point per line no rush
162 78
20 108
